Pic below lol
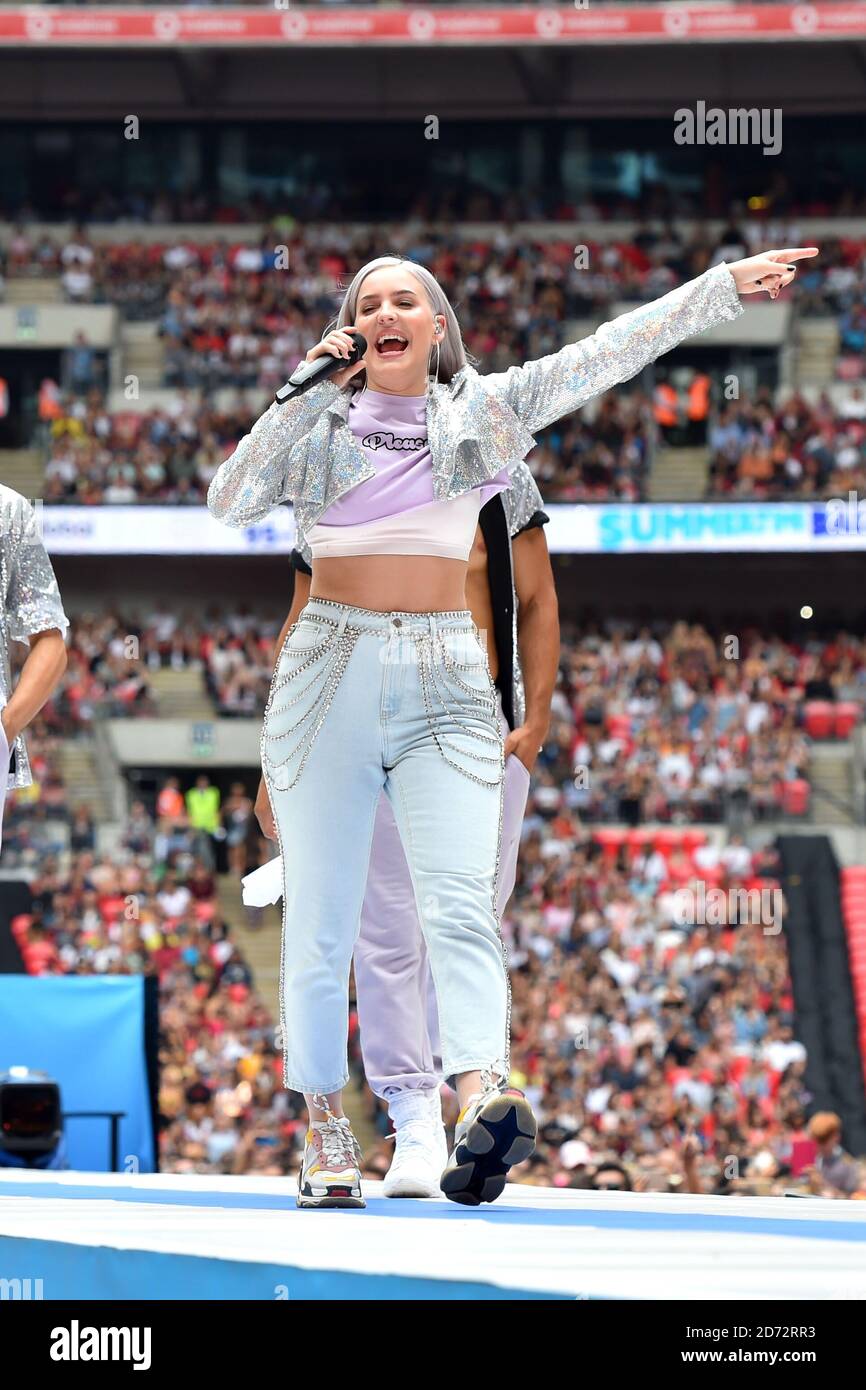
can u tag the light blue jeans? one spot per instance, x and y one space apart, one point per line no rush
363 700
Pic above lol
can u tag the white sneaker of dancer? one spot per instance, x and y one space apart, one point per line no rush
420 1151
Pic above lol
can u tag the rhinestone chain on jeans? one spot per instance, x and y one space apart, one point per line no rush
430 651
433 658
333 673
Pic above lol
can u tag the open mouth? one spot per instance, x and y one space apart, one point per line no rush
391 345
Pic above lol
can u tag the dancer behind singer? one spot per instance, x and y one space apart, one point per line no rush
387 485
509 572
30 611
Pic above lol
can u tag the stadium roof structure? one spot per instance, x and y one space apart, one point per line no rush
490 61
289 24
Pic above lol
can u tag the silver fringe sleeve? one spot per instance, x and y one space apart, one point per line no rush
545 390
31 597
523 499
30 602
257 477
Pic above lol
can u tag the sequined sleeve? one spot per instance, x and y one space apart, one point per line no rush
304 549
258 476
33 602
523 499
545 390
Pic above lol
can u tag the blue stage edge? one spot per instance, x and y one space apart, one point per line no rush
159 1236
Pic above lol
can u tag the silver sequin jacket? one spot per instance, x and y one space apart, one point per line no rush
305 452
29 600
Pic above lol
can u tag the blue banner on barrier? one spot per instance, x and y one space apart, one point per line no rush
577 528
87 1033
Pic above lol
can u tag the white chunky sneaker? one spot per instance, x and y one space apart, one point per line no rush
329 1175
420 1151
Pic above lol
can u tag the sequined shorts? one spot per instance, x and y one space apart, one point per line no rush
440 651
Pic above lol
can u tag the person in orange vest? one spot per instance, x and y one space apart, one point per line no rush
49 400
666 409
698 408
170 804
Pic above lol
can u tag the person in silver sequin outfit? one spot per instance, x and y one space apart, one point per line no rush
31 612
366 697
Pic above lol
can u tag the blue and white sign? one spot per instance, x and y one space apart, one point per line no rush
650 528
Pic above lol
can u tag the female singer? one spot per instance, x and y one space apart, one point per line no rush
384 681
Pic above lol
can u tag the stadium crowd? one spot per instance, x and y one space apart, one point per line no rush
232 322
659 1055
510 282
169 455
667 723
761 450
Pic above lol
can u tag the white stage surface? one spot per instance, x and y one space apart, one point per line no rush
116 1236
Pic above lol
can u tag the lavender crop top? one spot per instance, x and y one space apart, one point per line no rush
395 513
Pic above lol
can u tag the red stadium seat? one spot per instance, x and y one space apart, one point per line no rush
694 839
848 715
849 368
638 840
819 717
619 725
667 840
681 873
795 797
611 840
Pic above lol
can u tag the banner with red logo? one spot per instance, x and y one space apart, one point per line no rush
162 26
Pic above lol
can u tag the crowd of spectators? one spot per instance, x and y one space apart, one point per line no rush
664 723
150 906
205 4
512 288
238 317
96 457
659 1056
672 724
616 1017
760 450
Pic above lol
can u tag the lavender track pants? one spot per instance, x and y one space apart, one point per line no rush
397 1007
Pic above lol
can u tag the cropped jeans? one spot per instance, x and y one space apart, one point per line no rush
362 702
397 1007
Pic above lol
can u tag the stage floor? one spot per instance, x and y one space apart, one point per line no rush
116 1236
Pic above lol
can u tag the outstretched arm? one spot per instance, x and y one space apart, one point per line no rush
545 390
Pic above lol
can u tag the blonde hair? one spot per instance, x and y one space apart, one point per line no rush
451 354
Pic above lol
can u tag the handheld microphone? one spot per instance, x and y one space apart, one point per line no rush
311 373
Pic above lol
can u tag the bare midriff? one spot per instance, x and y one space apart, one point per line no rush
411 584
